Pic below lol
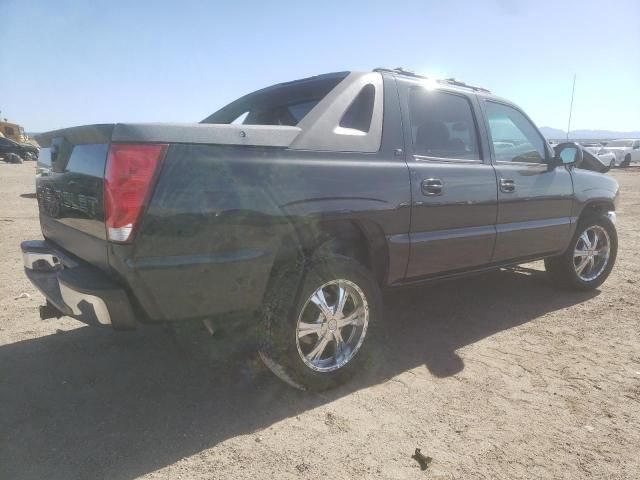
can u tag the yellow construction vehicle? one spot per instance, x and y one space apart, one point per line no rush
15 132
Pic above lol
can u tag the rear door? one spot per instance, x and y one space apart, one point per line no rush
534 202
453 185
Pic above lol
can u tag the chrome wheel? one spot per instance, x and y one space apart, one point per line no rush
332 325
591 254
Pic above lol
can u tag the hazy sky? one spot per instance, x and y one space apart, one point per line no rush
66 63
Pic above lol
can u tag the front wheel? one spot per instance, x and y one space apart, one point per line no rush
612 164
591 255
317 331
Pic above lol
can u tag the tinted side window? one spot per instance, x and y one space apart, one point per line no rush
514 137
442 125
358 115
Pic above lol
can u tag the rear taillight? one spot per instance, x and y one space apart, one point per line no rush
129 177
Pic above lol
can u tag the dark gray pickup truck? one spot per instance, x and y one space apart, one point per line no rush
299 202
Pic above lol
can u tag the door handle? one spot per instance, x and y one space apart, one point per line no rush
507 185
432 186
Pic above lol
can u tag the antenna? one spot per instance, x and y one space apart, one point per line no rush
573 90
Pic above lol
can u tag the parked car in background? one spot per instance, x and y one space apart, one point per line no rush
607 157
625 150
329 189
9 149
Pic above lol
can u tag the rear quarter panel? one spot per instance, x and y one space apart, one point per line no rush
220 214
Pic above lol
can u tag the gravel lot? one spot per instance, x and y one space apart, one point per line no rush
498 376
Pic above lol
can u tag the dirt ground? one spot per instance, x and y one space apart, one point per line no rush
498 376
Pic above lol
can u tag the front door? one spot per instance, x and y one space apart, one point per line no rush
534 202
454 199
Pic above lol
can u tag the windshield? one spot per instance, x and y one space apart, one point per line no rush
620 143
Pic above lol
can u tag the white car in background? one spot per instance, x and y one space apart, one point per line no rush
625 150
605 156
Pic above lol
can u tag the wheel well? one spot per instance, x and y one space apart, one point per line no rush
600 207
361 241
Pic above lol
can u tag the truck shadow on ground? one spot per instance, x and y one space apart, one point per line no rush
92 403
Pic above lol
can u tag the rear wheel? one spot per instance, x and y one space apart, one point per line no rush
612 164
318 331
626 162
590 257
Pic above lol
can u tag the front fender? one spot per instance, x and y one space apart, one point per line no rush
592 188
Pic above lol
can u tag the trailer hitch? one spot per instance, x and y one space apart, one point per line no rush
49 311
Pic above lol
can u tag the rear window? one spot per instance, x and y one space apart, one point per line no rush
283 104
288 114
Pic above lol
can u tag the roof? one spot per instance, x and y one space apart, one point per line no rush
443 81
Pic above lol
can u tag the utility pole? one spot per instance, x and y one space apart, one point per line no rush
573 90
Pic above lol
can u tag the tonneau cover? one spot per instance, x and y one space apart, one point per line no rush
251 135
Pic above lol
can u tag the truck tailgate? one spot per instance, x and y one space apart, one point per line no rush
71 194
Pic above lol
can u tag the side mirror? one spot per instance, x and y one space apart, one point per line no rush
567 153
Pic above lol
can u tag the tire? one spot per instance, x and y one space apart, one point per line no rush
564 270
13 158
283 342
626 162
612 164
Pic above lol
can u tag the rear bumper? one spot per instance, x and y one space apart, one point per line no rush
75 288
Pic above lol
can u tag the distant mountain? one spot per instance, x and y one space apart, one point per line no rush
552 133
557 134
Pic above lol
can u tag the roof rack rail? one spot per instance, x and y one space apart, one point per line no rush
460 83
401 70
445 81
